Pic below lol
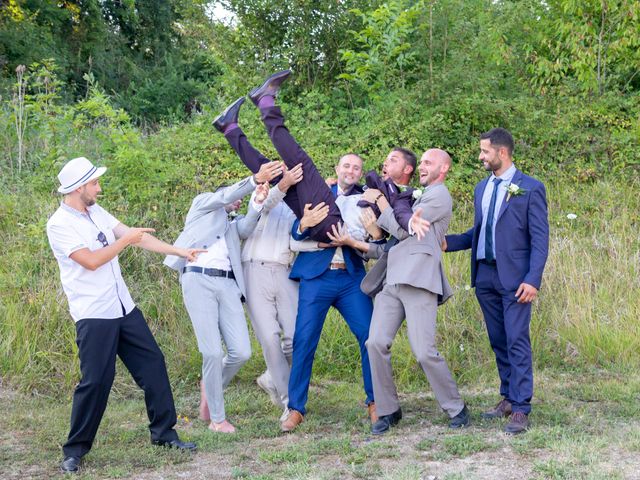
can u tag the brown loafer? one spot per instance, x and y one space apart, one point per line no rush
371 410
294 418
502 409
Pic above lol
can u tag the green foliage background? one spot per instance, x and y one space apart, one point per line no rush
135 89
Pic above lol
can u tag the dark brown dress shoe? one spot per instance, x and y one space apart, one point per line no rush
502 409
70 465
293 419
518 423
229 116
270 87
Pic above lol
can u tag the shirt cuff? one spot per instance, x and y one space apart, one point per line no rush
257 206
252 179
409 229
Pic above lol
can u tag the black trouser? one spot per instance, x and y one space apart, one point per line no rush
99 340
312 189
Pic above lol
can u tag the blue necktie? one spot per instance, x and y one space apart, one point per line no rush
488 229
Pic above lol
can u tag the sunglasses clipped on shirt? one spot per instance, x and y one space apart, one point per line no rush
102 238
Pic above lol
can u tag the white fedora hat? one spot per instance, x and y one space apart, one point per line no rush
78 172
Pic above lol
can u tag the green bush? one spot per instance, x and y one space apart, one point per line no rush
587 153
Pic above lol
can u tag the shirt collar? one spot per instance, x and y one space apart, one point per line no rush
507 176
73 211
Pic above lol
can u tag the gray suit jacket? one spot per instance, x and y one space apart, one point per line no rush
207 221
411 261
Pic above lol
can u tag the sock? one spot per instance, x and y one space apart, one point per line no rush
228 128
266 102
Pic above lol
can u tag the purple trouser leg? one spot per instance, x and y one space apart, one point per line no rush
312 189
252 158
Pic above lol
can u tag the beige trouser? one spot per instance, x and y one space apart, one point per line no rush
272 303
393 304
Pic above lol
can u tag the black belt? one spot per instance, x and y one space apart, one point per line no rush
487 262
212 272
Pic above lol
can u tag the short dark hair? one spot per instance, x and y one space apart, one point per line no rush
409 157
499 137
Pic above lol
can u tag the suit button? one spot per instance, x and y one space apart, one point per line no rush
204 246
218 236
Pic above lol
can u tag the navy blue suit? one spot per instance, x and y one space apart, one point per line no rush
521 249
320 289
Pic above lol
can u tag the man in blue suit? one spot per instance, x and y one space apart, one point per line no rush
329 277
509 244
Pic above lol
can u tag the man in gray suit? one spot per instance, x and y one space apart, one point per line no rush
213 285
411 283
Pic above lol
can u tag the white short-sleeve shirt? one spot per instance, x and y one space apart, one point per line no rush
101 293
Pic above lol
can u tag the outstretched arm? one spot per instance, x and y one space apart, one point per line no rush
148 242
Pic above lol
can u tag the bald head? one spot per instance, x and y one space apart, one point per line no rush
441 155
349 170
434 166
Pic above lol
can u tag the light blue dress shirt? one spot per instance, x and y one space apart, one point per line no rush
506 178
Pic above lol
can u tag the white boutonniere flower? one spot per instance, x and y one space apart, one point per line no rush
514 190
417 193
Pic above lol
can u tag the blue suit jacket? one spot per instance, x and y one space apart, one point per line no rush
310 265
522 234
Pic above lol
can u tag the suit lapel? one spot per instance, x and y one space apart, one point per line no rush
478 199
515 180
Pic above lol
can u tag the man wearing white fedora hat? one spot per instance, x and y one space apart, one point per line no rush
86 241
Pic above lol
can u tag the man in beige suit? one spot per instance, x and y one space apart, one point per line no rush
413 283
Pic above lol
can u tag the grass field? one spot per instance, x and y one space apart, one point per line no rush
585 425
585 334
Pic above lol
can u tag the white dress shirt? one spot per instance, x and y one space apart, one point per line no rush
101 293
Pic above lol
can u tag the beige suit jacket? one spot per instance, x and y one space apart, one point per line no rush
411 261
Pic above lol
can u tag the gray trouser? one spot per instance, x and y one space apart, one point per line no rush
272 303
392 305
216 313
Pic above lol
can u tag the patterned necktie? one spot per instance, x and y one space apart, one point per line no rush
488 229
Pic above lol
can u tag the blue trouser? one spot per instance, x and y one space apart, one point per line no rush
341 290
508 328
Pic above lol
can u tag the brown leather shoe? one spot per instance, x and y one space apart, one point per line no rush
502 409
373 416
292 421
518 423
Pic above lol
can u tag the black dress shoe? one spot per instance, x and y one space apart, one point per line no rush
460 420
70 465
177 443
229 116
385 422
270 87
